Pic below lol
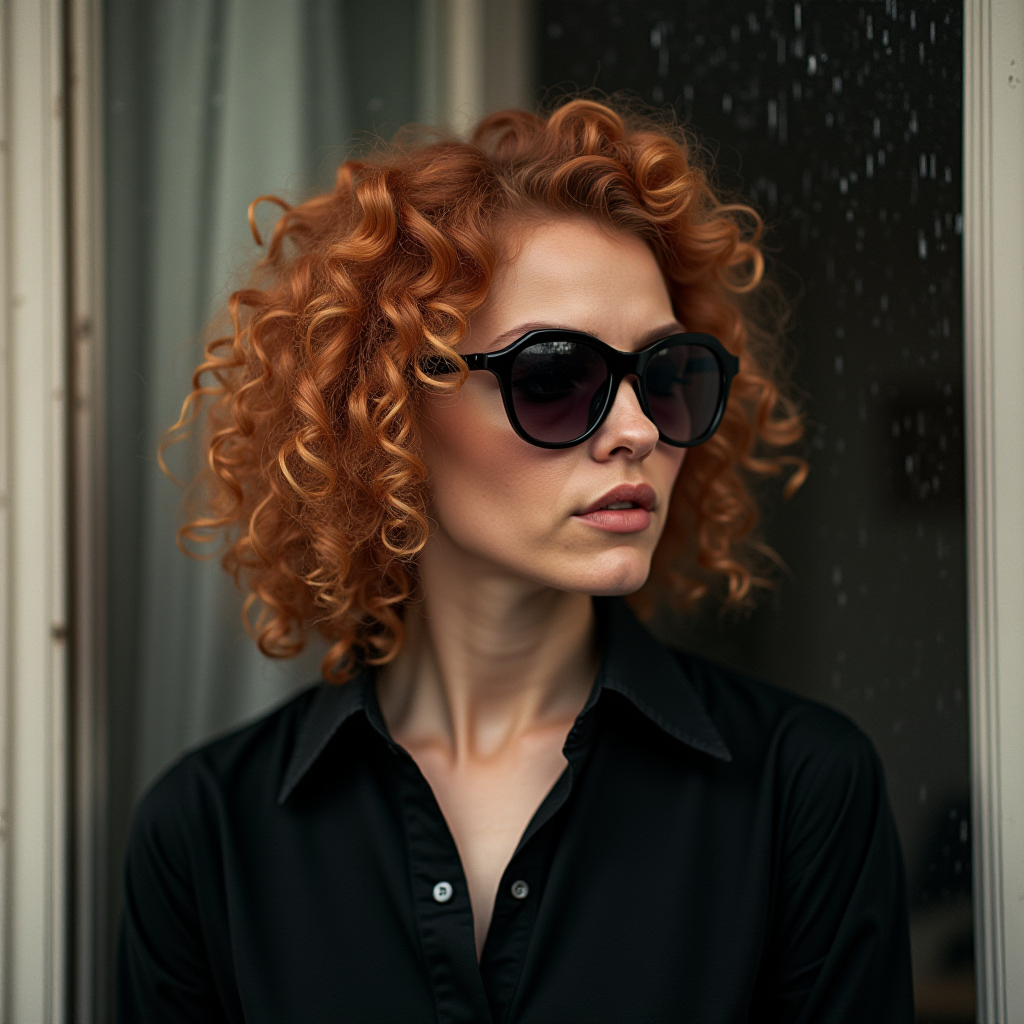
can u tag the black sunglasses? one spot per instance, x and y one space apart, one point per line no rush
558 386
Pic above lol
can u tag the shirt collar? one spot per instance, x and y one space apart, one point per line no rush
332 705
653 679
635 665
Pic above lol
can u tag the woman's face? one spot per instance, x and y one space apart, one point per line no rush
539 513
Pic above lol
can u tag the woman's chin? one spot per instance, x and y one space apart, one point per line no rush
609 578
619 589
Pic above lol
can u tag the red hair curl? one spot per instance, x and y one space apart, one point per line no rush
313 471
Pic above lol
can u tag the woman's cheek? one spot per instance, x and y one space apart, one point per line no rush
494 483
470 458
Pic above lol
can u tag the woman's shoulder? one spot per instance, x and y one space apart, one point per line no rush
761 721
823 772
250 757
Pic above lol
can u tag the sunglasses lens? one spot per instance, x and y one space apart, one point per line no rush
559 388
684 389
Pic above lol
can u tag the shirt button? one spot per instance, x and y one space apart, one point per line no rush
520 890
443 892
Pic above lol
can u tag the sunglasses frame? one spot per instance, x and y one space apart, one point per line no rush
620 365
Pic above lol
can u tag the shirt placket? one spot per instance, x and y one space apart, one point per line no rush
521 890
444 914
515 914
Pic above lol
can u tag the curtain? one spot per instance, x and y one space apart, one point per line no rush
209 103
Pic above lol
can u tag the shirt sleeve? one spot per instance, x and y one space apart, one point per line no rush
163 971
840 948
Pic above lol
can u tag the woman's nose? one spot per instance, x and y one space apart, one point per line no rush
626 430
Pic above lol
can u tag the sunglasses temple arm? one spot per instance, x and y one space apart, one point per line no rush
439 364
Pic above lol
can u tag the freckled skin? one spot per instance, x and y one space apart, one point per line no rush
501 654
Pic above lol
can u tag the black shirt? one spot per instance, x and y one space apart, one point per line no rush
716 850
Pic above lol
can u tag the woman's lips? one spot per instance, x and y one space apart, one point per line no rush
624 509
620 520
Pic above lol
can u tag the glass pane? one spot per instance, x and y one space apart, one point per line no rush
842 122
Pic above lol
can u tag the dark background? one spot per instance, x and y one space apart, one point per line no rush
841 122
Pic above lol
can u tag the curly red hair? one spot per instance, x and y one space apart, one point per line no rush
313 472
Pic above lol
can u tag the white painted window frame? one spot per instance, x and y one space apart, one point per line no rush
34 705
994 391
51 554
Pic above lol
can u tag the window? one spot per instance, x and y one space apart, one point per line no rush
215 108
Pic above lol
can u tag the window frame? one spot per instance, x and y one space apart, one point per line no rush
994 424
34 522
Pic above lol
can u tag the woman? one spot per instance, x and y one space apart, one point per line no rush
474 394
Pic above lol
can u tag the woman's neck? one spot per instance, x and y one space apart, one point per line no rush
488 657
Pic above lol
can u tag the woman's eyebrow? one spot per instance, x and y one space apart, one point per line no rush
675 327
513 333
506 337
